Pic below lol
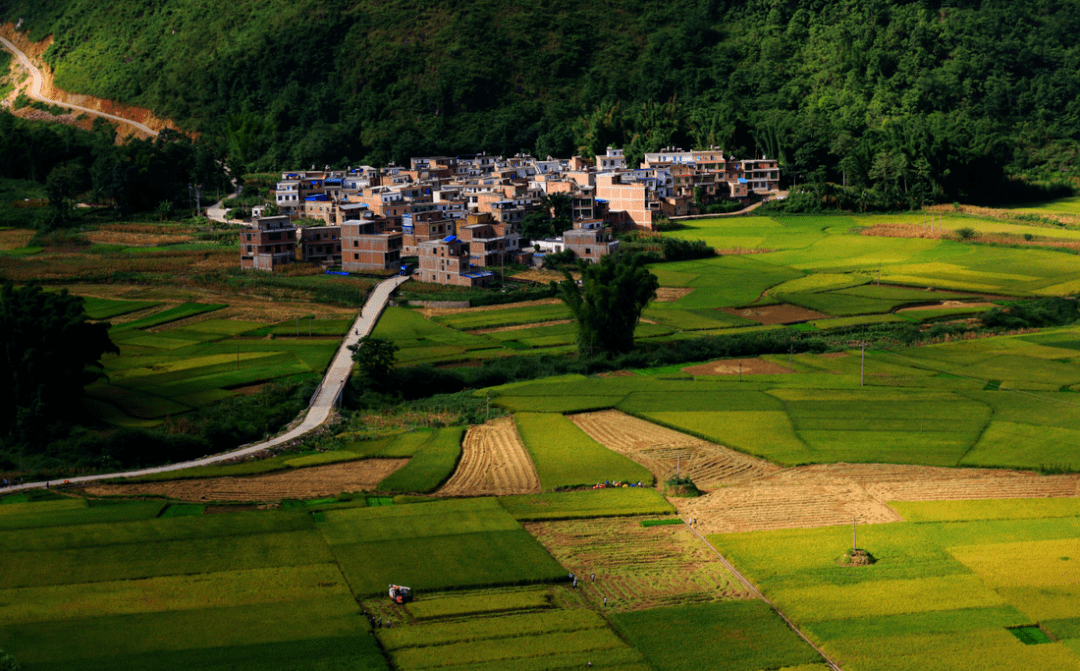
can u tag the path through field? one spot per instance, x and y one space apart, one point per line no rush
324 400
300 483
494 462
37 81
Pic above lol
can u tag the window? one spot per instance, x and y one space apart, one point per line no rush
355 256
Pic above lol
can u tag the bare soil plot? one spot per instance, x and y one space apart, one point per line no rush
661 450
637 567
671 294
541 276
831 494
436 312
737 367
300 483
494 462
776 314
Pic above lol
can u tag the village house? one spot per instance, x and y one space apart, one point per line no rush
268 243
319 244
367 245
448 261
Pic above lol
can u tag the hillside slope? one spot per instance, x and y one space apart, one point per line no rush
863 91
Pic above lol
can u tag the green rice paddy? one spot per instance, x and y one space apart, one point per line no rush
948 590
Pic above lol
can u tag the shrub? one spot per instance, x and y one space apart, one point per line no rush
965 233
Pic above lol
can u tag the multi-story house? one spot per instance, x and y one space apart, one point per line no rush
366 246
268 243
319 244
447 261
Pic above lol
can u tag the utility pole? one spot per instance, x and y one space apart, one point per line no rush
487 405
862 365
854 543
791 352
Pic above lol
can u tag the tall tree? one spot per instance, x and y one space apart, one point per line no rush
608 302
48 353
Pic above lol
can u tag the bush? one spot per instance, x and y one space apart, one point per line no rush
965 233
1033 314
682 250
8 663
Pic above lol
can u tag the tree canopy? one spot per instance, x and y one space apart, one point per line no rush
376 358
608 302
48 353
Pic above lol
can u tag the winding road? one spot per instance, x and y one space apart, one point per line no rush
38 81
322 403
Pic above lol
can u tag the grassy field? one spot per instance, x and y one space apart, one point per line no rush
964 571
932 405
435 546
114 587
735 635
614 502
565 456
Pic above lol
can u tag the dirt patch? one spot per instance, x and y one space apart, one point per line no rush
435 312
543 276
617 373
948 305
663 450
923 231
300 483
671 294
521 327
637 567
832 494
737 367
494 462
775 314
832 355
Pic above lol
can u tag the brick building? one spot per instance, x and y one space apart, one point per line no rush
268 243
447 261
366 246
319 244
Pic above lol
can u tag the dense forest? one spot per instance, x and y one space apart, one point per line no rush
876 103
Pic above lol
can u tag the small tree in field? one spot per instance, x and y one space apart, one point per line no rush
608 303
376 357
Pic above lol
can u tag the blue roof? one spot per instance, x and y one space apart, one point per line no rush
450 238
742 181
483 273
318 196
600 200
333 181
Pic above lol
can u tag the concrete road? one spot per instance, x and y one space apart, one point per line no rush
318 412
37 82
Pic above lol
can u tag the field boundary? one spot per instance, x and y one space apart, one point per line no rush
337 374
756 592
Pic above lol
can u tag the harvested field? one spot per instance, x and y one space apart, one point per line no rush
15 238
660 450
436 312
737 367
947 305
637 567
776 314
494 462
522 327
300 483
831 494
671 294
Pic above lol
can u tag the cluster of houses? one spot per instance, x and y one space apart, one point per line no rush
462 215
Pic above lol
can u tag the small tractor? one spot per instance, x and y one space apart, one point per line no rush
400 594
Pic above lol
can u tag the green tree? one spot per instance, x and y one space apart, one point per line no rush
376 357
8 663
49 353
64 182
608 302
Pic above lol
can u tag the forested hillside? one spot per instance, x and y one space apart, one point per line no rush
901 100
